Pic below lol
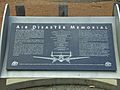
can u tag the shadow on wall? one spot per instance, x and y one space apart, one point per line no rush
59 84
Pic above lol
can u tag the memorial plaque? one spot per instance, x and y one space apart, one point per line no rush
61 46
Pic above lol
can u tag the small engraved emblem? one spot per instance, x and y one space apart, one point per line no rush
108 64
14 63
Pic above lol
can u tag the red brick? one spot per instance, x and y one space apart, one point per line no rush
41 10
0 22
2 6
49 8
12 9
90 9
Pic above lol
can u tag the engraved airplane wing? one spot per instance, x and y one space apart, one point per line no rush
42 57
78 58
69 59
53 59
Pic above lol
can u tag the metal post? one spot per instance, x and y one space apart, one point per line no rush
118 84
2 84
63 8
20 10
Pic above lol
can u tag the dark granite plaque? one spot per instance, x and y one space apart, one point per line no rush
63 46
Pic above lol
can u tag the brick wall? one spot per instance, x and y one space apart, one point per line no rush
51 8
2 5
91 9
41 9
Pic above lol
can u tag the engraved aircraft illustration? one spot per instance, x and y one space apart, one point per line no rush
60 56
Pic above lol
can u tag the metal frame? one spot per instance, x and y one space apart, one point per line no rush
3 36
62 74
59 74
117 19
